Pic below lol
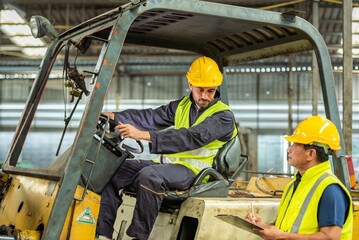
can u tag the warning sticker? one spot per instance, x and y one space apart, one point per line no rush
86 217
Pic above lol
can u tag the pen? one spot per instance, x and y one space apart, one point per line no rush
252 211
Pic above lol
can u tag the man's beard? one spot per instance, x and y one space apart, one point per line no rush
203 103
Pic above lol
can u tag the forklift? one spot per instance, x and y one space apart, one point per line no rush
60 198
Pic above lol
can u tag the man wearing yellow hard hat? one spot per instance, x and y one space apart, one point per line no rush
315 204
201 125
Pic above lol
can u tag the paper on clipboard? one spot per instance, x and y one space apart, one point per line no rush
239 222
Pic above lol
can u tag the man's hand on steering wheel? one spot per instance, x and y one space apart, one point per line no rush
129 131
106 128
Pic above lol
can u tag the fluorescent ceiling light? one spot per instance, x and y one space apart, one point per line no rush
355 38
355 13
355 31
10 16
15 26
355 27
27 41
16 30
35 52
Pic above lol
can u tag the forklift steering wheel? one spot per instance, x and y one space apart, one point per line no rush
112 140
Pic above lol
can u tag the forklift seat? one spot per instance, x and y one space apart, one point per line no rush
227 166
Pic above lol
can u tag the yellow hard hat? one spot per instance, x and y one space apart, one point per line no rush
204 72
316 130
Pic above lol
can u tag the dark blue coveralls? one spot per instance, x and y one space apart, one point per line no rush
142 174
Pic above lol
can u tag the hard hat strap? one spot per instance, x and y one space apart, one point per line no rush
323 145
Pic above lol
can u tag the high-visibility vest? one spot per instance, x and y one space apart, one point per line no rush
298 214
203 157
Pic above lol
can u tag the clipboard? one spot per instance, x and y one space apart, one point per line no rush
239 222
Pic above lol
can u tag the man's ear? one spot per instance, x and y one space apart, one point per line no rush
312 153
190 86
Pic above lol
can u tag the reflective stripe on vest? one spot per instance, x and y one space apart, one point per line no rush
303 209
203 152
193 162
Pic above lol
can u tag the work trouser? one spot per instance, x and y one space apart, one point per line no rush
147 179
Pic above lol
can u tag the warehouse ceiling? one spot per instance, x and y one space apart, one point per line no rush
65 14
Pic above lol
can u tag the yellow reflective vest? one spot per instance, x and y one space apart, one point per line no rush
201 158
298 213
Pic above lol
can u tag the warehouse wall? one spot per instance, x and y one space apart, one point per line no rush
259 101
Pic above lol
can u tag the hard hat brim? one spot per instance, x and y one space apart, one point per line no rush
295 140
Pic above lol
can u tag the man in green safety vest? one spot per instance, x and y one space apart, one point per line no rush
187 133
315 204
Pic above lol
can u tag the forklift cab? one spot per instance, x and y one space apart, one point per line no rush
231 35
